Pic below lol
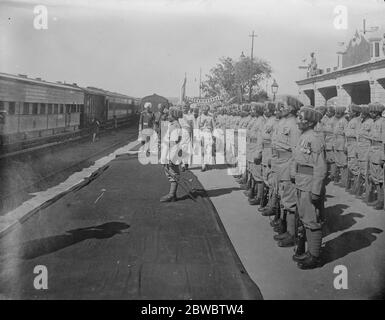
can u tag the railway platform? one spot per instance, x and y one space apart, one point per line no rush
102 234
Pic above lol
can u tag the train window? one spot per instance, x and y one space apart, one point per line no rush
61 108
49 110
12 108
25 108
55 108
34 108
68 108
42 108
73 108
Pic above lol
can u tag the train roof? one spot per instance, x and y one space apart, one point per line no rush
39 81
95 90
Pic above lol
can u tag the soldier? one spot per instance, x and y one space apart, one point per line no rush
328 123
339 147
146 123
363 145
186 124
376 155
253 155
286 137
320 126
308 170
206 126
351 144
268 135
169 155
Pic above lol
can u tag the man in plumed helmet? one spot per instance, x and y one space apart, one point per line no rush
376 156
286 137
308 171
363 145
351 130
339 147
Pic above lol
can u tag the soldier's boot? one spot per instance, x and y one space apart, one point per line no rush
249 187
245 185
250 192
314 240
258 194
380 197
265 197
171 196
353 190
272 207
300 251
281 225
289 241
344 177
374 197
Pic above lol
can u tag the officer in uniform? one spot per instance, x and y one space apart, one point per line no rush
363 146
146 123
206 125
186 124
308 171
286 137
351 130
376 155
339 147
169 156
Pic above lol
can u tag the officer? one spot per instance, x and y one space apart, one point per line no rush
146 123
363 146
328 123
351 130
376 155
309 170
206 126
286 137
320 126
253 155
186 124
169 156
339 147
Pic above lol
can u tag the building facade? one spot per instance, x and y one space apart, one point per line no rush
359 77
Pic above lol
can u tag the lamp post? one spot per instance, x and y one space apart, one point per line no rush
274 89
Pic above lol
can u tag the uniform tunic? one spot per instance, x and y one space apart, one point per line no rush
146 126
351 131
339 142
186 142
206 126
284 142
264 145
376 151
170 149
252 148
309 169
328 129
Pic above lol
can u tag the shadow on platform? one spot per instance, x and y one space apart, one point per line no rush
337 221
38 247
348 242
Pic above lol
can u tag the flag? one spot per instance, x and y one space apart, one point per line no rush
183 90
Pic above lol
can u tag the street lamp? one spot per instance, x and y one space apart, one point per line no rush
274 89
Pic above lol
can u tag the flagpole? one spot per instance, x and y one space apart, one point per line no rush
200 81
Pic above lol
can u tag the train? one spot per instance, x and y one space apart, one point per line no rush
33 108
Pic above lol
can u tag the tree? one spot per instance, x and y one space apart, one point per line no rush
236 78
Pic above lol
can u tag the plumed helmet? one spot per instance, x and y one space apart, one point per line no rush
311 114
340 109
259 107
376 107
354 108
147 105
321 109
270 106
364 108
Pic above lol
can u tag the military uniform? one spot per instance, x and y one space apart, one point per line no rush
328 124
339 147
206 126
376 155
309 169
351 131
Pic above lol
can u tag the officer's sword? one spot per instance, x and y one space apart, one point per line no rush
178 181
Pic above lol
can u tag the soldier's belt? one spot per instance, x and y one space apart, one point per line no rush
304 169
266 144
282 153
351 139
376 143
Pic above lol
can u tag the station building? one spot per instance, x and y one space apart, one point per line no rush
359 77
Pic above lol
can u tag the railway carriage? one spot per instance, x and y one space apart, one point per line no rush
34 108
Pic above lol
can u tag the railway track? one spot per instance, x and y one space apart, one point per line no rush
43 182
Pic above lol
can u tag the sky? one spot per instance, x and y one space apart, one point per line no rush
143 47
